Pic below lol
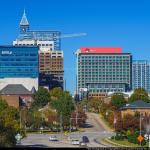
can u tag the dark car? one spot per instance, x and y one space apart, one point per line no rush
85 139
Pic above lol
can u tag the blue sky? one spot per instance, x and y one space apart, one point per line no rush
108 23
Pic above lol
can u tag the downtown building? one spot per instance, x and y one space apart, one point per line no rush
51 69
19 65
103 70
141 74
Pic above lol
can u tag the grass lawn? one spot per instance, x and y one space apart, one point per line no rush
125 143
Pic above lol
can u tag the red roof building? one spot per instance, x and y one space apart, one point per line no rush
100 50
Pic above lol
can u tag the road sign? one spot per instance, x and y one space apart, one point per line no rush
146 137
140 138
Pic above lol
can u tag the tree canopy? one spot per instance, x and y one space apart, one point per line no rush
118 100
56 93
41 97
139 94
9 124
64 106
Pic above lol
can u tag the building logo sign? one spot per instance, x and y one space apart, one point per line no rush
7 52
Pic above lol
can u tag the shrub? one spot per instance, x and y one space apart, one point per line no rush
119 136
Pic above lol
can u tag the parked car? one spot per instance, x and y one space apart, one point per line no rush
53 138
75 142
85 139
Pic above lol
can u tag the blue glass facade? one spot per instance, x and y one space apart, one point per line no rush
19 62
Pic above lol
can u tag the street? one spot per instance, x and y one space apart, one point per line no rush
93 130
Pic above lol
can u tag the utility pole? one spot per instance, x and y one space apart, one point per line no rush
20 120
140 127
77 117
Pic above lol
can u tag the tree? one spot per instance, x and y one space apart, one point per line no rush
81 117
64 107
118 100
3 104
95 104
7 135
9 124
41 97
139 94
51 118
56 93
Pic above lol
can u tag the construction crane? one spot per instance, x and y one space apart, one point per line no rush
48 36
72 35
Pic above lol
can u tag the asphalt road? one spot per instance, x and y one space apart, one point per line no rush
93 130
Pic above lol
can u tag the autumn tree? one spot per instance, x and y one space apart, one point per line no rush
78 118
51 118
95 104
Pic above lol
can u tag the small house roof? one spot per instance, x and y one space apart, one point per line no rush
15 89
136 105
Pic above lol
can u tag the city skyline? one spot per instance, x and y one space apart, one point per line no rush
125 25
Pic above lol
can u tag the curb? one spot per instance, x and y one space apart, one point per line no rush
98 142
116 144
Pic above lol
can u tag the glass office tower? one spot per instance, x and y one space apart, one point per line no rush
19 65
103 70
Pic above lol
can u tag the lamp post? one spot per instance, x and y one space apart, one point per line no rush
141 118
140 127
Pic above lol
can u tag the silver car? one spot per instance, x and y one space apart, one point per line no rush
53 138
75 142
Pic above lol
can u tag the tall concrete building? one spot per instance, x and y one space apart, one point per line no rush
103 70
19 65
51 70
141 74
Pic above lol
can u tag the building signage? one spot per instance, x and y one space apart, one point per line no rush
7 52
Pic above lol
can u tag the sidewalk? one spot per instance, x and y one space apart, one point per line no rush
105 126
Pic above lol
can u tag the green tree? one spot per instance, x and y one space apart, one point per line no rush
41 98
118 100
64 107
3 104
7 135
139 94
56 93
9 124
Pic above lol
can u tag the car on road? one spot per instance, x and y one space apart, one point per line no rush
85 139
82 144
53 138
75 142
